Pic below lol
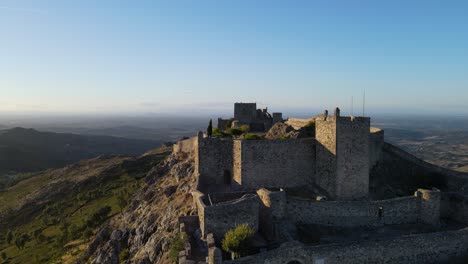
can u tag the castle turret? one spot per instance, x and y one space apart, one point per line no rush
343 156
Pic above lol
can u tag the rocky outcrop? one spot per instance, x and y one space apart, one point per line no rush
280 130
147 227
283 131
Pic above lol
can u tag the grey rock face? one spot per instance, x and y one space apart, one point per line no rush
147 227
278 131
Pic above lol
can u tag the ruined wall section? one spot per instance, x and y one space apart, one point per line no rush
223 124
276 163
213 161
422 248
277 117
185 146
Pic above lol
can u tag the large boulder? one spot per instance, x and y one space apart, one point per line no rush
279 130
282 131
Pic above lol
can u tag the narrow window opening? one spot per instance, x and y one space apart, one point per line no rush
227 177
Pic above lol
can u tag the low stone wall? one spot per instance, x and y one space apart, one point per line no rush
376 143
421 248
221 217
355 213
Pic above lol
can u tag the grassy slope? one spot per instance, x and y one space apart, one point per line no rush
95 184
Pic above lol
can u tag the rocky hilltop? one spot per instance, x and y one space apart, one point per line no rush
146 229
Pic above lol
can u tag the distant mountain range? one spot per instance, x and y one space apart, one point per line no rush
25 150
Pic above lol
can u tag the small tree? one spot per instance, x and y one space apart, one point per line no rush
209 130
177 245
4 256
9 237
237 241
122 202
20 240
87 233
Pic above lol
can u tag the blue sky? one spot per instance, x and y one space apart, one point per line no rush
189 56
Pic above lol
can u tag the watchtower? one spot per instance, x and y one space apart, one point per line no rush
342 155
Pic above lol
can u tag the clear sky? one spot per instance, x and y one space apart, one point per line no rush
156 56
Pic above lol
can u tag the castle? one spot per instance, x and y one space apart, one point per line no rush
337 160
280 186
248 114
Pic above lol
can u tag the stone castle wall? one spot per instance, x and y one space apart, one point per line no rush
250 164
325 133
352 157
221 212
343 156
245 113
223 124
274 163
376 143
218 218
413 249
355 213
397 165
213 161
455 206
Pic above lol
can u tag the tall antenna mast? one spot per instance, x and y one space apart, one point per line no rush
364 103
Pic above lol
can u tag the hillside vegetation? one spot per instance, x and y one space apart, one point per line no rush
50 216
28 150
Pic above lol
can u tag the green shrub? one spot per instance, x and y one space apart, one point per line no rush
238 240
9 237
87 233
123 256
177 245
99 217
244 129
236 132
221 134
252 137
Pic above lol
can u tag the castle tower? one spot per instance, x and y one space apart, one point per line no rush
245 113
342 155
